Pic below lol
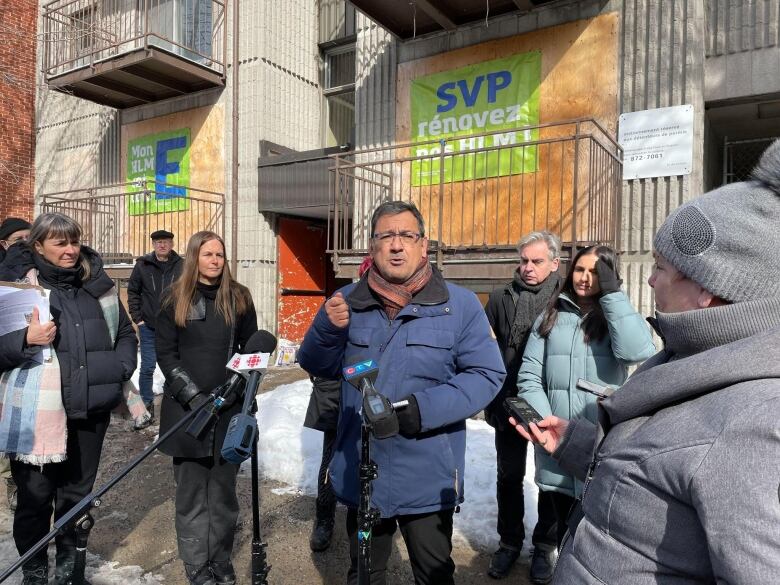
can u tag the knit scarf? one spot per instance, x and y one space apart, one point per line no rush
396 296
33 422
531 300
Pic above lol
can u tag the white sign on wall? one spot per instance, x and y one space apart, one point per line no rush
657 143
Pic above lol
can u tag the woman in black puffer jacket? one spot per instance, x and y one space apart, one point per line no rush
95 357
205 319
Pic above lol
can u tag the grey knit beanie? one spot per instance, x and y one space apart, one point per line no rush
728 240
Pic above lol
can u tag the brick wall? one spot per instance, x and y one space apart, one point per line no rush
18 21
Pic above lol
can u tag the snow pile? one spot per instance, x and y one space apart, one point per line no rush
157 381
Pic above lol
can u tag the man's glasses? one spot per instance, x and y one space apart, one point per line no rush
405 237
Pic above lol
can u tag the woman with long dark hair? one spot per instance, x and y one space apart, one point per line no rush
206 318
589 330
56 408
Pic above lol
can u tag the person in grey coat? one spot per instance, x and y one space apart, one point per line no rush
682 485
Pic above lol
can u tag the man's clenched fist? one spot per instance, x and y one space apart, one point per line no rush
337 310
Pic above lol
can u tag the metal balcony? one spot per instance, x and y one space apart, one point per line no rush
480 196
124 53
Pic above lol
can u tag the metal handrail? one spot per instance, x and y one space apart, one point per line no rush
574 188
117 222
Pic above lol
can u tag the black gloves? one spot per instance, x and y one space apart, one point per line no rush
197 400
409 418
184 390
608 278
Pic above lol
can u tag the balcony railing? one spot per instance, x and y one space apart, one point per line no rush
148 49
118 219
479 196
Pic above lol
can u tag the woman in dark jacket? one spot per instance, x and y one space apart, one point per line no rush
205 319
95 351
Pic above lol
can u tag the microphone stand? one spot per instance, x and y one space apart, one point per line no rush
79 515
260 566
367 516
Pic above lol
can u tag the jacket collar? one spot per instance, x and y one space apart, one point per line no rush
21 259
435 292
150 258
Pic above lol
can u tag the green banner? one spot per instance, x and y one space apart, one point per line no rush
159 159
450 108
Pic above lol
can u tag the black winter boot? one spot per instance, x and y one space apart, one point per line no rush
223 572
63 571
199 575
35 572
542 565
503 560
321 534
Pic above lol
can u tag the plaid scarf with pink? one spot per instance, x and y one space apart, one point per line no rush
33 423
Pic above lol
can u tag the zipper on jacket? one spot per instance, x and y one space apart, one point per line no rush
594 465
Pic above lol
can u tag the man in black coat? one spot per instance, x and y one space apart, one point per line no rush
512 310
152 274
12 230
323 415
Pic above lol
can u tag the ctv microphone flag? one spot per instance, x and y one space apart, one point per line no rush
376 408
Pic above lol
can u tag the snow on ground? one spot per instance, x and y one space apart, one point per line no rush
98 572
290 453
157 381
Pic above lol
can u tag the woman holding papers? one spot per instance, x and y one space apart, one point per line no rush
205 319
55 411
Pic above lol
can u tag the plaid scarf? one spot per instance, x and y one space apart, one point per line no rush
396 296
33 422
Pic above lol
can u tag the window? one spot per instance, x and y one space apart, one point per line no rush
83 23
339 92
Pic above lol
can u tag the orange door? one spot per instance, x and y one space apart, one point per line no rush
302 274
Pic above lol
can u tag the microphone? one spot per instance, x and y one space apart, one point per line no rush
261 343
377 408
242 429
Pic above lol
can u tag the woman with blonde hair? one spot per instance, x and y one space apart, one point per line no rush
56 408
205 318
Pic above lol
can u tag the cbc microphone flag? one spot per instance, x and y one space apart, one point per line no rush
246 362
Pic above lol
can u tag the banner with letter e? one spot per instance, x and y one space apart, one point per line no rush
163 161
449 108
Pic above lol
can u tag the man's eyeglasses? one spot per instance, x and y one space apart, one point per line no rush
405 237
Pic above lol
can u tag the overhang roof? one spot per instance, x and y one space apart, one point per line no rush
409 18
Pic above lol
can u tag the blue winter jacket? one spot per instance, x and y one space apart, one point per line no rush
439 348
552 365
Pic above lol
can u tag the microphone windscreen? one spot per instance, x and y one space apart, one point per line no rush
261 342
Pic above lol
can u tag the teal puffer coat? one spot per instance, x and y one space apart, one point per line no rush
552 365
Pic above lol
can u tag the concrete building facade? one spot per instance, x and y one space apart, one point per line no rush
313 75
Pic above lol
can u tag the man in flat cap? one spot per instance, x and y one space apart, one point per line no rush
152 274
12 230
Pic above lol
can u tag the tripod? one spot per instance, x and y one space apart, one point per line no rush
80 518
367 516
260 566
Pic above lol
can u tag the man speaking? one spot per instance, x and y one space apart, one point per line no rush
434 348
